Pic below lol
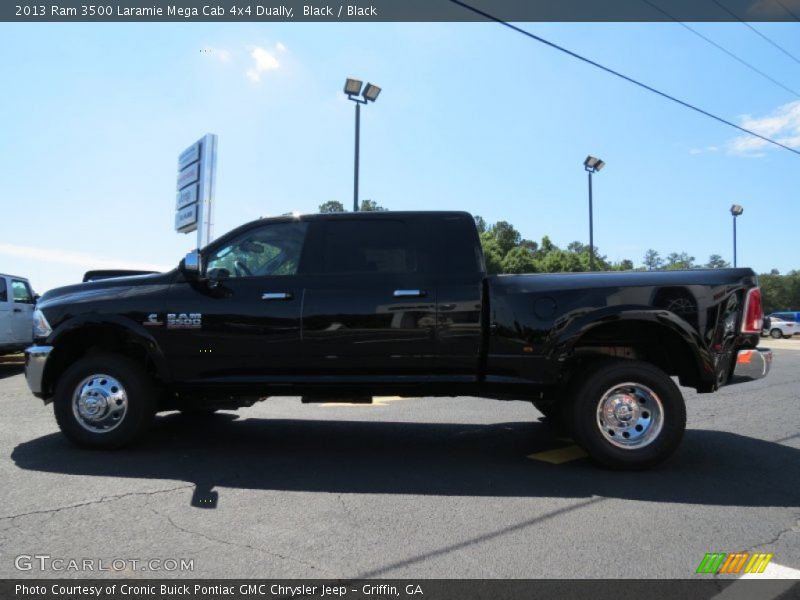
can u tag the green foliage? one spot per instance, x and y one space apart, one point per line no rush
519 260
492 253
331 206
505 235
677 261
371 206
715 261
780 292
652 260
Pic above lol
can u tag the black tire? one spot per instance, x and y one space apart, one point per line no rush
588 391
776 334
137 387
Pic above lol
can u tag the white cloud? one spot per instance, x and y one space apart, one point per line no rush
220 54
263 61
782 125
281 48
65 257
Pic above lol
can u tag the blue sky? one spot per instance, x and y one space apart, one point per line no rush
472 117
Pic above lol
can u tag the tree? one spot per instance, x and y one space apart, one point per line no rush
480 223
492 253
677 261
624 265
715 261
546 246
371 206
561 261
519 260
531 246
331 206
507 237
577 247
652 260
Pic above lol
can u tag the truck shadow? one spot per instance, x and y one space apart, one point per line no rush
9 369
710 468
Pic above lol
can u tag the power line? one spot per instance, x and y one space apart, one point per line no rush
723 49
621 76
786 8
757 32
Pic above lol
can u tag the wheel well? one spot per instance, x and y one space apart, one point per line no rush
94 339
641 340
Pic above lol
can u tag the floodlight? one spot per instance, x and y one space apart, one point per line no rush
352 87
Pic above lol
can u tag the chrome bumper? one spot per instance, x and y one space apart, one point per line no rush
35 361
752 364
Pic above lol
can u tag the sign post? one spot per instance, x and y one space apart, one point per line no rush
194 204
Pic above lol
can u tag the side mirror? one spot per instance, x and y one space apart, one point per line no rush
191 263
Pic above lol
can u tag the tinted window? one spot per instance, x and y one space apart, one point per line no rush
273 249
3 290
362 246
21 292
459 249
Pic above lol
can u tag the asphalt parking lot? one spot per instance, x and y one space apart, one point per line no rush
422 487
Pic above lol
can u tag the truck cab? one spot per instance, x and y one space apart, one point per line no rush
16 309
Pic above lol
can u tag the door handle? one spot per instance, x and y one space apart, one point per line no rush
409 293
276 296
17 310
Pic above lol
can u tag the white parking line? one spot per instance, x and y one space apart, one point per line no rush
774 571
782 580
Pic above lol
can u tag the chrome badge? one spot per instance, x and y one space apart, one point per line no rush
184 320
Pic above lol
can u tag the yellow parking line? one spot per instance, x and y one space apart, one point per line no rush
559 455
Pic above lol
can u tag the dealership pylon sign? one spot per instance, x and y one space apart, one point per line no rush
194 205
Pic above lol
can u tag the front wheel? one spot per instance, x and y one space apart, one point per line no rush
627 414
776 334
104 401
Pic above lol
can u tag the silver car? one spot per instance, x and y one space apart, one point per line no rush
778 328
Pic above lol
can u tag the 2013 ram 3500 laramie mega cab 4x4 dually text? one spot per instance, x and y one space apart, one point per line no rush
361 304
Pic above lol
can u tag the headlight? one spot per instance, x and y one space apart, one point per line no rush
41 328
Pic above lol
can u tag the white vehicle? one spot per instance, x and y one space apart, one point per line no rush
16 314
778 328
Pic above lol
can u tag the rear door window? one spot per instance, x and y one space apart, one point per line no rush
368 246
3 290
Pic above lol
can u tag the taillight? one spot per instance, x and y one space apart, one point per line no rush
753 313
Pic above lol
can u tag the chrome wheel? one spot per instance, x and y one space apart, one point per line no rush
630 416
99 403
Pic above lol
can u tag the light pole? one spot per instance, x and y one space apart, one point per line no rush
736 210
592 165
352 87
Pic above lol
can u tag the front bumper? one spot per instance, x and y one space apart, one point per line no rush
35 362
752 364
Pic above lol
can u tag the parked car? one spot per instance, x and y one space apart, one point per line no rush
778 328
16 314
367 304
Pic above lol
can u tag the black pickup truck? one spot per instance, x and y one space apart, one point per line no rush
360 304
